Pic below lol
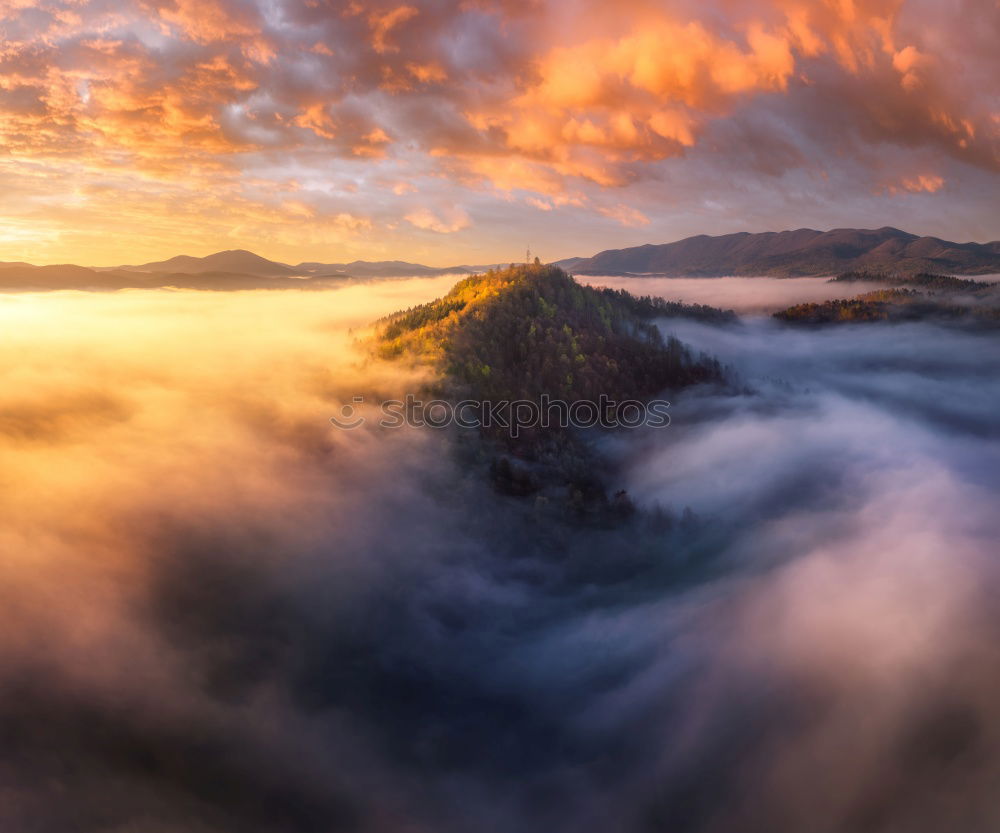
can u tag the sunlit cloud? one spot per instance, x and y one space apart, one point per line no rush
445 221
594 105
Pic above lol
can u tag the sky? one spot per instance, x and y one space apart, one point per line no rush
463 131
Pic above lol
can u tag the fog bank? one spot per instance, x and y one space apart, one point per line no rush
222 614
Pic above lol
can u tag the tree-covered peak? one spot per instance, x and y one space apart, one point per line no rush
528 330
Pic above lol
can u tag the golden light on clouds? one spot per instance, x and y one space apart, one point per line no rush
136 129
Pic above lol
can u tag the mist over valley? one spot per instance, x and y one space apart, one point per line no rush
253 620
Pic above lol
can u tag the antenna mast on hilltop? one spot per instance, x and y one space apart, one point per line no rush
527 256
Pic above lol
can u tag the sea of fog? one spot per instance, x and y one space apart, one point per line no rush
753 296
220 614
745 295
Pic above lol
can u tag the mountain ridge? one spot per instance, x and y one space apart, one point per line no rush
800 252
229 270
794 253
237 261
242 261
387 269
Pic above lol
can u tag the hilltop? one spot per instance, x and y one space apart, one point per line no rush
236 261
524 331
531 334
799 253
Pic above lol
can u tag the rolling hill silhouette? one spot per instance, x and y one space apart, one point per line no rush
236 261
799 253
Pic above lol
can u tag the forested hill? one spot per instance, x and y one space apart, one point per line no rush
979 310
524 331
533 334
922 280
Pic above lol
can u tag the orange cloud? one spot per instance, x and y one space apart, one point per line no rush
382 24
561 100
372 144
427 73
317 119
625 214
446 221
923 182
910 63
593 108
205 21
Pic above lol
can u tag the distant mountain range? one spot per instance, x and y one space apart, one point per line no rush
804 252
799 253
237 261
240 261
230 270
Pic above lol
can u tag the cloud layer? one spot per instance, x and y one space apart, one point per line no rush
221 614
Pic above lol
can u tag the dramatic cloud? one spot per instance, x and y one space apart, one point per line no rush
683 112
